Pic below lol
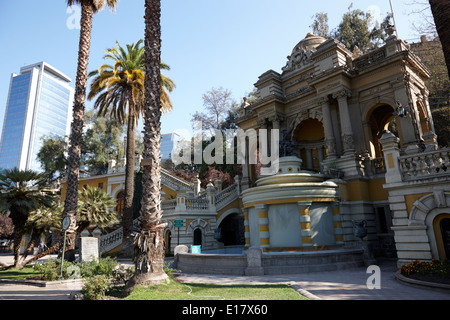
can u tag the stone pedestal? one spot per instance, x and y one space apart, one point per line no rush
179 249
89 249
254 262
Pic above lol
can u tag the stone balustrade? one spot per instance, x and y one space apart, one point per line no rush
426 164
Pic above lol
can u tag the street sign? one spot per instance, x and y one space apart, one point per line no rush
179 223
65 223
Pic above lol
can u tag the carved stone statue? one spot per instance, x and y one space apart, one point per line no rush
286 143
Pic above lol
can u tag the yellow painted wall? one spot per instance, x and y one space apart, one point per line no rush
411 198
170 194
94 183
360 190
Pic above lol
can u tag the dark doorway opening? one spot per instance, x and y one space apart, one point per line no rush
197 237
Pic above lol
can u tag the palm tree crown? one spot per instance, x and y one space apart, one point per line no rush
97 5
95 208
121 86
21 193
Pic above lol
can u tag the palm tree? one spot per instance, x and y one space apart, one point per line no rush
120 91
441 14
149 242
38 222
88 8
95 208
22 192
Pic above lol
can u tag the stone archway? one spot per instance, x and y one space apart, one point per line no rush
427 213
379 119
203 228
309 135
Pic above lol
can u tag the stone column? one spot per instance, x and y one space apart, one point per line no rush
346 125
309 158
245 169
330 140
391 155
305 223
181 201
320 155
247 228
264 234
337 221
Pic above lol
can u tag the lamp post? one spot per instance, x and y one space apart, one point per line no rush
65 225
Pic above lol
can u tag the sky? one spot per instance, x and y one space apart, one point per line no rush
207 43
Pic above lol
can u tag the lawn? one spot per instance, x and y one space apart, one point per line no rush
178 291
189 291
27 273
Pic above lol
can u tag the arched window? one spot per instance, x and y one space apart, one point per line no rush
120 202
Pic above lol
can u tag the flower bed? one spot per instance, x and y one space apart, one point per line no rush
434 271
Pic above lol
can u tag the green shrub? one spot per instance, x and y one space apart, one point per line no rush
50 270
98 267
94 288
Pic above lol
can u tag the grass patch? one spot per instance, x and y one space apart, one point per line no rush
26 273
177 291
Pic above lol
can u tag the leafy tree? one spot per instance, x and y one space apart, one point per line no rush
354 30
441 12
102 141
320 25
6 227
52 157
88 8
441 118
21 193
216 103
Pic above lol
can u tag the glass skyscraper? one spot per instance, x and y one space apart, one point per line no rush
168 140
39 103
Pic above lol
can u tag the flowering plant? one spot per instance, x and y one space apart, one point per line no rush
435 267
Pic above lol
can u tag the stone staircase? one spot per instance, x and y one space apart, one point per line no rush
197 205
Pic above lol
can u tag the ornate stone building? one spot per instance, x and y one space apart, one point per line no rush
340 107
361 122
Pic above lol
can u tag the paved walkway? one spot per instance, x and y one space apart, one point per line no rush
348 284
333 285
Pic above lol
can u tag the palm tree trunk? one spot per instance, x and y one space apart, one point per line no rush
50 250
35 235
441 14
127 220
70 204
19 228
149 243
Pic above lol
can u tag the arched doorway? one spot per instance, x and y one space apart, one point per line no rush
232 231
445 233
168 241
197 237
310 137
379 120
120 203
